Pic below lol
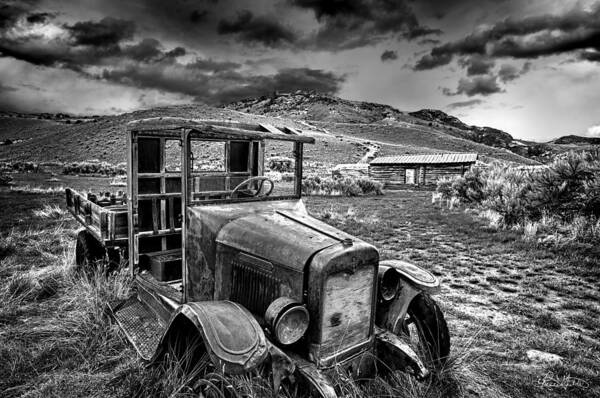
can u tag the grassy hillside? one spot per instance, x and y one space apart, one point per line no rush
401 137
63 140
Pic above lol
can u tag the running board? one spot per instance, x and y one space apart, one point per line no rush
141 327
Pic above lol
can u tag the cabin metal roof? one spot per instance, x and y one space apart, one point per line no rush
433 158
215 129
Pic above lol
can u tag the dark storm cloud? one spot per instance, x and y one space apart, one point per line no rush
433 60
530 37
261 29
103 33
11 11
509 72
176 52
389 55
478 85
197 16
84 44
145 50
464 104
111 49
331 8
39 17
350 24
477 64
4 88
425 42
590 56
210 65
420 31
223 86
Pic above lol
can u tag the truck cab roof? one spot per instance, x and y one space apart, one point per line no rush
218 129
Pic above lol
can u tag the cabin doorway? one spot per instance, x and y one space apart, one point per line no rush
410 176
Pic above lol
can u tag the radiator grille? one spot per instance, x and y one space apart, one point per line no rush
253 285
347 306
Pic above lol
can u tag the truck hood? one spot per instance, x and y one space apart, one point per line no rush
281 232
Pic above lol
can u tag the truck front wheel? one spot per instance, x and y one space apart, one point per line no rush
88 252
427 331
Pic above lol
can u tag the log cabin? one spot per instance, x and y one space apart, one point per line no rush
425 169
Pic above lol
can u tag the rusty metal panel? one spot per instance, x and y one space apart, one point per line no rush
141 326
234 340
273 236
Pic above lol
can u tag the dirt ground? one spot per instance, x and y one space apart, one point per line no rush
501 296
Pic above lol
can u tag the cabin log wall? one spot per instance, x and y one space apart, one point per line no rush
394 175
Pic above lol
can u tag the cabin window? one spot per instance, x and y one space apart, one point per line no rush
173 155
238 158
208 156
149 155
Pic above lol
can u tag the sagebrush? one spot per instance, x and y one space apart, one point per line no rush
345 186
567 192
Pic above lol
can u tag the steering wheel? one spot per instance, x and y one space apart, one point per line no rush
262 180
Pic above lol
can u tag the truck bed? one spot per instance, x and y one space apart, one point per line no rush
108 224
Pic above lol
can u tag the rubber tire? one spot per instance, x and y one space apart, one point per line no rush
88 251
432 328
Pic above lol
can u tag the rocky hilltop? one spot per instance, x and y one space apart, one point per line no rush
576 140
315 106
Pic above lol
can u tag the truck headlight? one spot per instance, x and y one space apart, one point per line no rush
287 319
389 283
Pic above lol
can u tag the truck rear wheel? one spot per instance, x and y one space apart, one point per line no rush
88 252
427 331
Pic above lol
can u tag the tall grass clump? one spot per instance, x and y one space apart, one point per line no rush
95 167
564 196
341 186
19 167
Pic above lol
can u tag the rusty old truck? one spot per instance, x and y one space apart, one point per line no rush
226 259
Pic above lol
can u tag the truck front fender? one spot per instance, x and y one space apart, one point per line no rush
225 330
413 280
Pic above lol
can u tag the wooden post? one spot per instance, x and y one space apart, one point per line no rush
131 196
185 197
298 153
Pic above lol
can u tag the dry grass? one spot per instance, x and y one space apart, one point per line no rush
37 189
55 340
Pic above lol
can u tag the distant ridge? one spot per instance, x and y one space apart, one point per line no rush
576 139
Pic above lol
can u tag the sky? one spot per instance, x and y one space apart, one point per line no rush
530 68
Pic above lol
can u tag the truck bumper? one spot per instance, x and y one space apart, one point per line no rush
388 354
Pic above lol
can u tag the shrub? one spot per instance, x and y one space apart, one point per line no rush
347 186
563 197
569 187
368 185
444 187
94 167
506 193
281 164
5 180
20 167
469 187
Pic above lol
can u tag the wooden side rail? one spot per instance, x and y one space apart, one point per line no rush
105 224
